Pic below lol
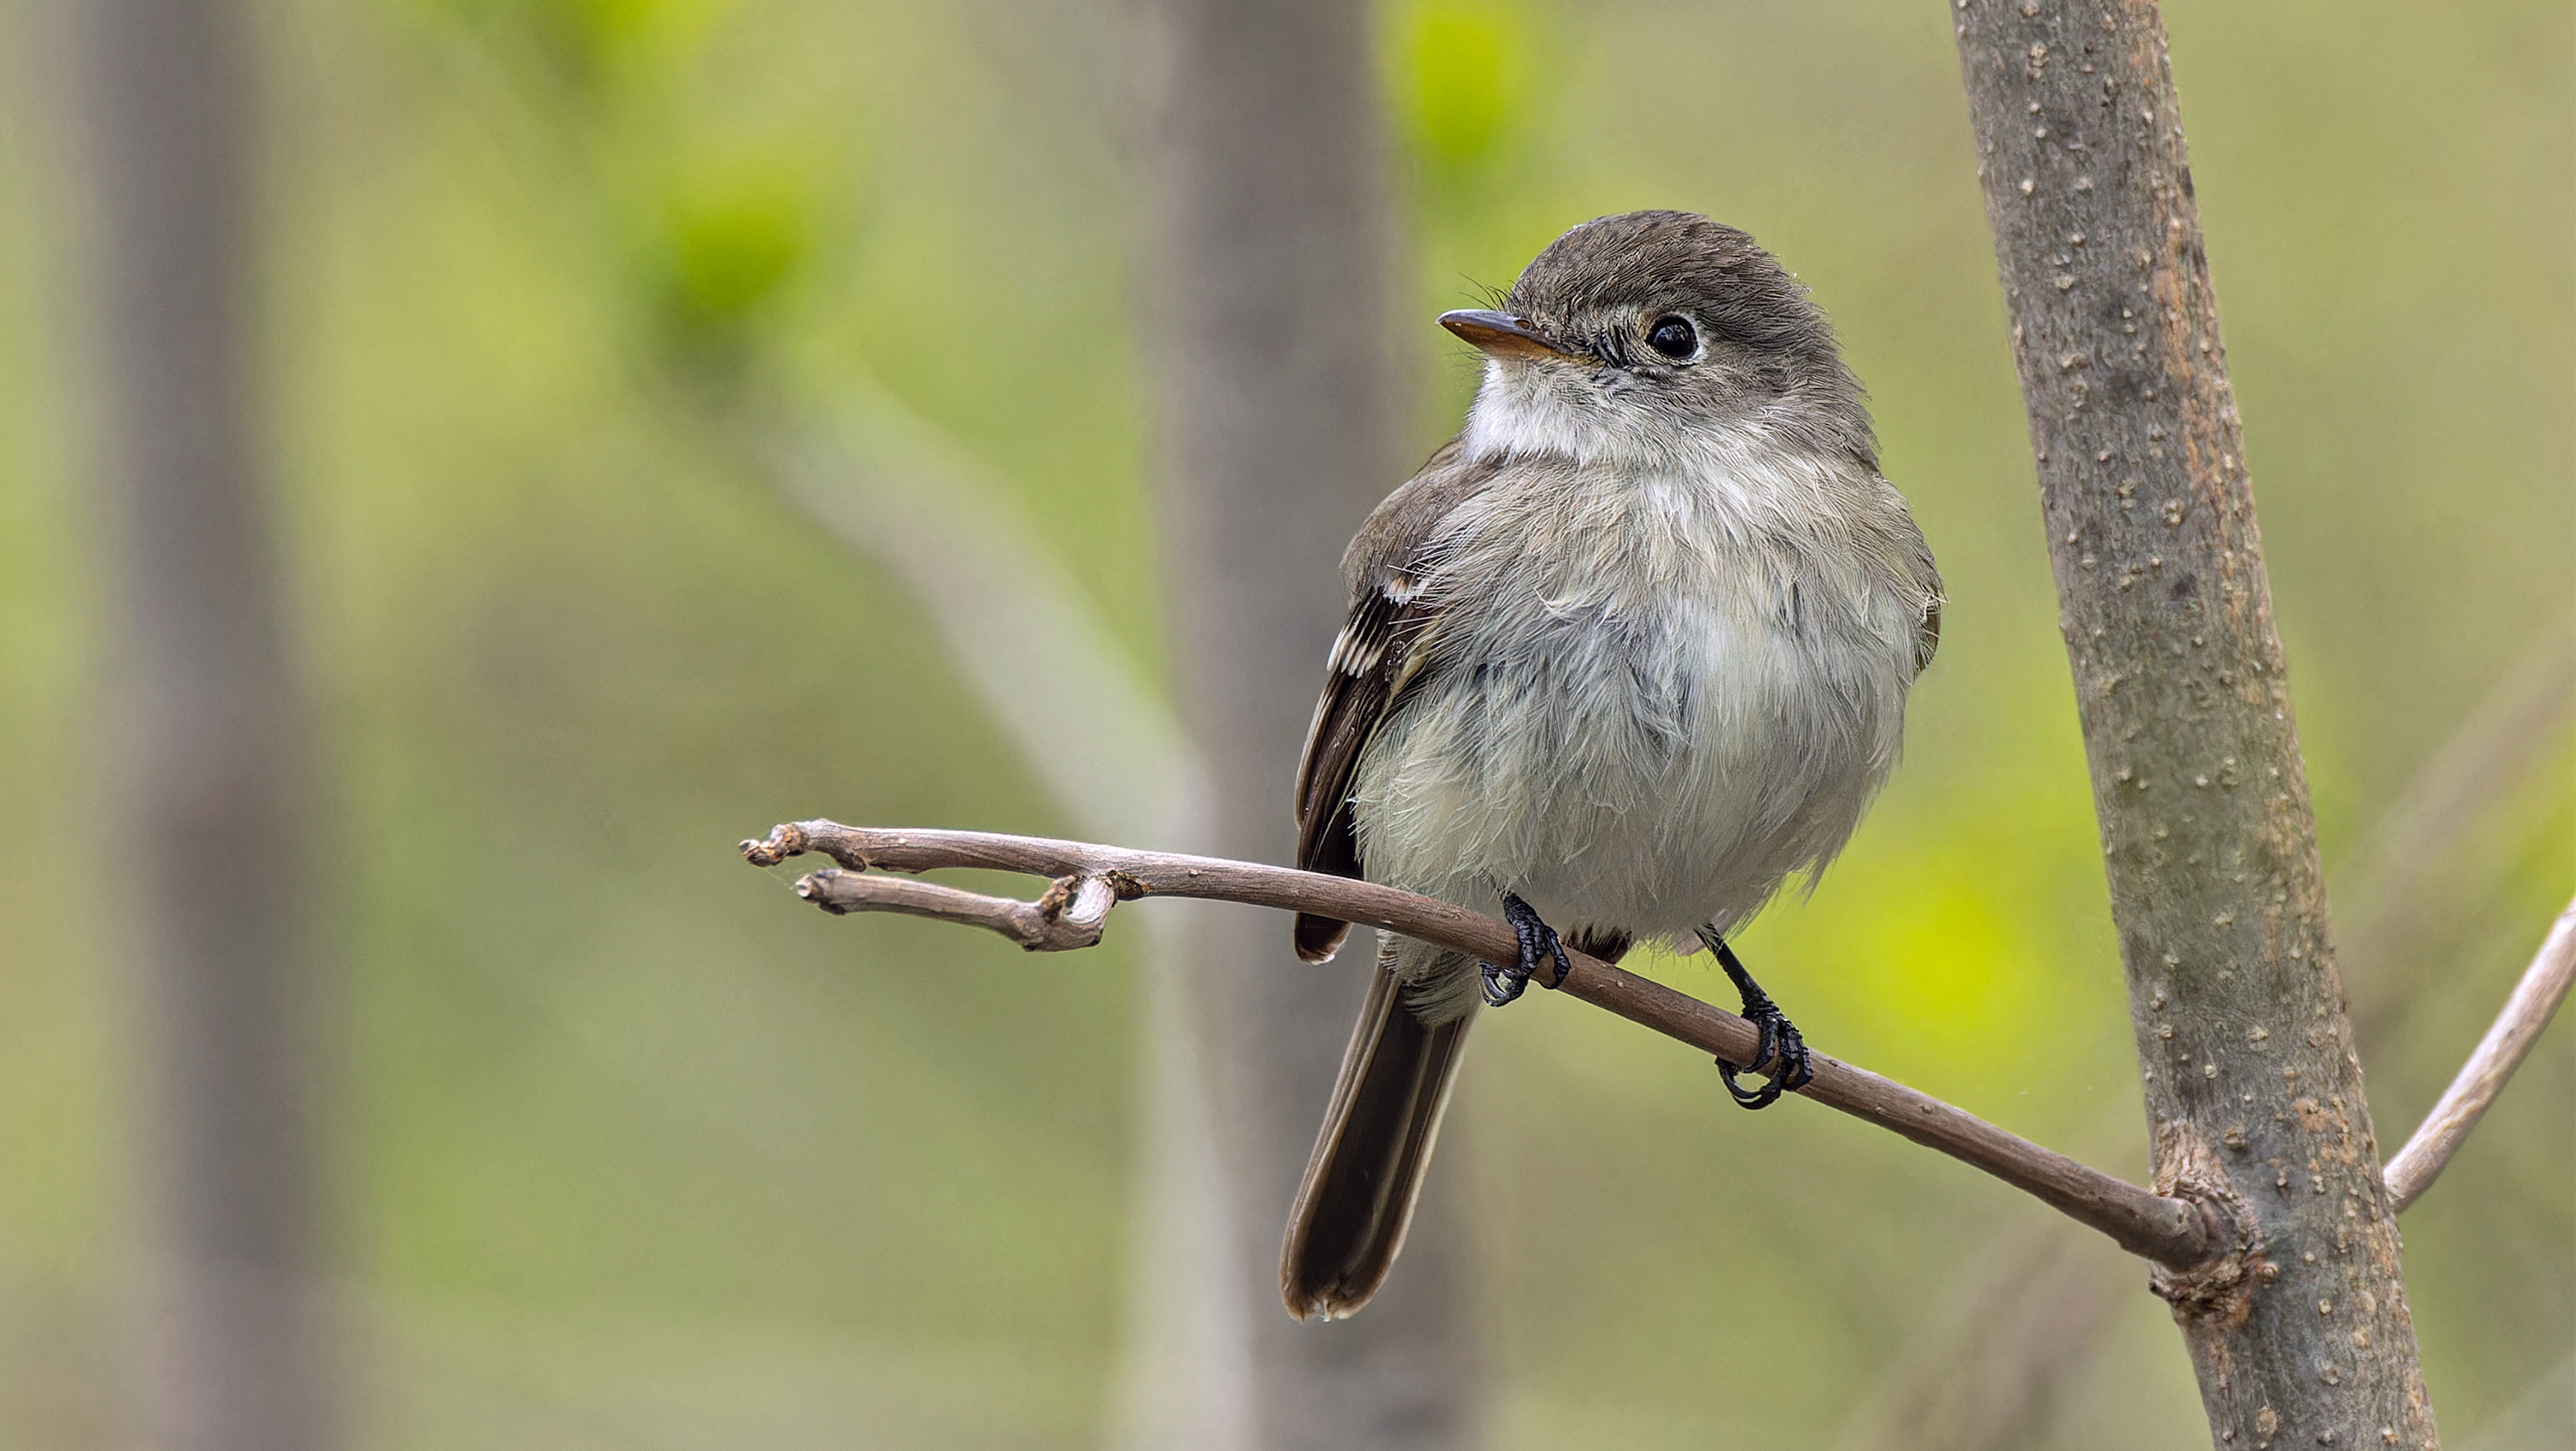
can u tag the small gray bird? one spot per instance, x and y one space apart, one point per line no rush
1626 653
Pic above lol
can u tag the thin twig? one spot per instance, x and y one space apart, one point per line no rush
1069 916
2544 984
2176 1232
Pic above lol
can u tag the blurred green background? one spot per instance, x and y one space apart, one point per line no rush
628 1148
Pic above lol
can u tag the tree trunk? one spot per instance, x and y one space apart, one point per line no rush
206 729
1282 422
2302 1337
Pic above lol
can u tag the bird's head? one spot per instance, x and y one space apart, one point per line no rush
1640 336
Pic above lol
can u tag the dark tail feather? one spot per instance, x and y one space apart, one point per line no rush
1318 938
1360 1186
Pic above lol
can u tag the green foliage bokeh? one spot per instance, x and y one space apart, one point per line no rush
629 1149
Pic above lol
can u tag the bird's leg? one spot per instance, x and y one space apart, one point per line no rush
1779 1045
1502 984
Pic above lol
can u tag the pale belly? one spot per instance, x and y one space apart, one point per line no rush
1647 764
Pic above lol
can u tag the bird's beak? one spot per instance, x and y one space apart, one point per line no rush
1501 335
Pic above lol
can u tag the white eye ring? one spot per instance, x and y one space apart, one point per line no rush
1673 336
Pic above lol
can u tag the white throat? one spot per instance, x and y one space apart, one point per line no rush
1595 423
1525 410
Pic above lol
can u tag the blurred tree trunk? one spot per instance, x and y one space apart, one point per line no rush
207 731
2302 1337
1282 421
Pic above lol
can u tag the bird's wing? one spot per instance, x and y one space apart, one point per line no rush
1376 656
1925 577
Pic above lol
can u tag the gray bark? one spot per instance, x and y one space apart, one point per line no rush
2302 1337
1282 418
205 728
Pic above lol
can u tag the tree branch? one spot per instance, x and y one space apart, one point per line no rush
2180 1233
2543 986
2208 836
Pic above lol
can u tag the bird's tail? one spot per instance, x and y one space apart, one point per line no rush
1357 1198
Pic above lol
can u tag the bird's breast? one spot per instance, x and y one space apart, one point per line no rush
1647 699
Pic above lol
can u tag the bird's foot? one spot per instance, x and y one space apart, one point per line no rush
1782 1047
1778 1043
1538 940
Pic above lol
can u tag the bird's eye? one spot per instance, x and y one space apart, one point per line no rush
1673 337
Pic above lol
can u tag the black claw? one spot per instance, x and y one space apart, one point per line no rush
1780 1046
1750 1098
1537 940
1778 1043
